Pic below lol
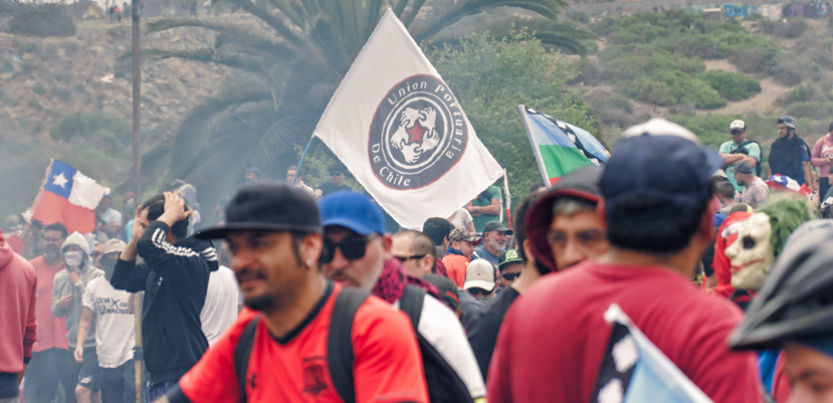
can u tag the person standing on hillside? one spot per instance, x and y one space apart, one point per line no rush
485 208
822 158
789 154
739 149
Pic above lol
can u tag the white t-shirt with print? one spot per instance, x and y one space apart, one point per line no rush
221 302
114 325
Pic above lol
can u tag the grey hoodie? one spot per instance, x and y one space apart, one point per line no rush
62 286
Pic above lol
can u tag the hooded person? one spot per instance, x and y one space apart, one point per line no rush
557 246
74 281
747 245
789 155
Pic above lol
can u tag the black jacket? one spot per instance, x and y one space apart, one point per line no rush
175 280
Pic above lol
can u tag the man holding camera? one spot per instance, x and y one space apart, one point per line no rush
739 149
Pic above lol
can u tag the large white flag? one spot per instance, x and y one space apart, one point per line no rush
398 128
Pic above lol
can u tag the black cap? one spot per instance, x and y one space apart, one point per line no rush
268 205
497 226
744 167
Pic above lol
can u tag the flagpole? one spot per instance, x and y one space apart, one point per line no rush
137 185
535 148
507 196
301 163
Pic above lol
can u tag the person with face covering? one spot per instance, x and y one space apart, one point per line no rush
67 290
105 314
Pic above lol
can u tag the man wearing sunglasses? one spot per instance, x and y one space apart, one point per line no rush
357 253
415 251
274 233
336 183
510 266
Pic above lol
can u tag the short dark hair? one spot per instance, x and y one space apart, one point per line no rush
632 225
830 127
437 228
535 186
519 220
726 190
336 166
57 227
156 207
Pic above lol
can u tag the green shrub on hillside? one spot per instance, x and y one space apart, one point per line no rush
668 88
91 125
814 110
732 86
789 29
42 20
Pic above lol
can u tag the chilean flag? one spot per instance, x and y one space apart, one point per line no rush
69 197
783 183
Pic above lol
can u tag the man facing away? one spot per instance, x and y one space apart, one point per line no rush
174 276
18 294
658 224
274 233
438 229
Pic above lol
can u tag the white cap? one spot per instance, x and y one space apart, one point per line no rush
737 124
480 274
662 127
720 174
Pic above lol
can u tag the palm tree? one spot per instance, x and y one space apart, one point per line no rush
293 66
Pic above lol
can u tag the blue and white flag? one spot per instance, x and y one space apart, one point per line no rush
635 370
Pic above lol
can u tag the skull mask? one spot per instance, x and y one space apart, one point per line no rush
751 253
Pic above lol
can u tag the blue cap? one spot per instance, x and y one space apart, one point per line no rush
788 121
662 162
353 211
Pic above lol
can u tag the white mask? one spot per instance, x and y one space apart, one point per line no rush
73 259
751 253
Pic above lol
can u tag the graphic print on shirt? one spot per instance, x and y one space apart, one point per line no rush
107 305
314 378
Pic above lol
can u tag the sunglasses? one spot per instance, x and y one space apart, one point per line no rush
474 291
335 173
404 259
352 248
510 276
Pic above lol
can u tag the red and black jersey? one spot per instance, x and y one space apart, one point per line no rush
387 365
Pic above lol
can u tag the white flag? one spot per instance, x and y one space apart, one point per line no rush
398 128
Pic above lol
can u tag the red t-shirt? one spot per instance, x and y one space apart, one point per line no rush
52 331
553 339
387 363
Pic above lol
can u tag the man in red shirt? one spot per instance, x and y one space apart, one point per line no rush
52 361
274 234
656 189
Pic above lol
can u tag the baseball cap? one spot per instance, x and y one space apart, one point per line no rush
683 184
744 167
508 256
351 210
113 245
480 274
270 206
459 234
446 288
497 226
737 126
788 121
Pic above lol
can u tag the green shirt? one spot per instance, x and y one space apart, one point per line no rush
753 149
480 221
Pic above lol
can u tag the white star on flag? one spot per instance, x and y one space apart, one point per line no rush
59 180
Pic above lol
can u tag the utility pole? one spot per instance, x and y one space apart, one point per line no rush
137 186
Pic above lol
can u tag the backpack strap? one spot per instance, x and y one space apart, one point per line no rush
242 352
411 304
340 343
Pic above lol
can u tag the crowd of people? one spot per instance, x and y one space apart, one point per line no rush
315 296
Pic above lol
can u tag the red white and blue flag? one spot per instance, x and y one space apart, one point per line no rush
69 197
784 183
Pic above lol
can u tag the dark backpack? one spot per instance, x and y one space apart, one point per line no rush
444 385
758 165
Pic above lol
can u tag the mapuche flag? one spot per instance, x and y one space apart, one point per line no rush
398 128
635 370
560 147
69 197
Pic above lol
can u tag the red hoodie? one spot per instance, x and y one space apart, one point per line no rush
722 265
18 294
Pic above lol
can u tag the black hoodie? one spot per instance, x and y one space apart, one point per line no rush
175 281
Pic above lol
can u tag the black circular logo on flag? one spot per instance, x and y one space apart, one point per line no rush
418 133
